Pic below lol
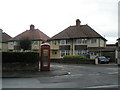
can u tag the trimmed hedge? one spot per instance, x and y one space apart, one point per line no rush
20 57
72 59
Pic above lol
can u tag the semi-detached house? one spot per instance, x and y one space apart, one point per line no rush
77 40
4 38
35 35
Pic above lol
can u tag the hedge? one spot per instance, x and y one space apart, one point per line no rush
72 59
24 57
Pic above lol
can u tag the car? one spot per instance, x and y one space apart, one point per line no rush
102 59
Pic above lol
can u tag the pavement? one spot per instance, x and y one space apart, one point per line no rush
54 71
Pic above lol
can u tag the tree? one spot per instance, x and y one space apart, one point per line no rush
25 43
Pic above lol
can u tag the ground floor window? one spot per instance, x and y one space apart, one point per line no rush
78 52
64 52
54 52
93 53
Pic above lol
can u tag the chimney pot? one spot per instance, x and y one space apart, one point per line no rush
78 22
32 27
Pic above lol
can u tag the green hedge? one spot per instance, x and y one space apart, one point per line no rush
72 59
24 57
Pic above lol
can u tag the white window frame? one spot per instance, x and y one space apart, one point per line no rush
81 41
64 42
35 43
54 43
93 41
93 53
11 43
78 52
64 53
15 43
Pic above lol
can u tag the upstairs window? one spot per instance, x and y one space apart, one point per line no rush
54 42
15 43
11 43
64 42
81 41
35 43
93 40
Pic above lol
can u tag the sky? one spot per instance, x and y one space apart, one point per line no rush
53 16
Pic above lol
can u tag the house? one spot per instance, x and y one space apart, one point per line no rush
35 35
77 40
118 51
4 40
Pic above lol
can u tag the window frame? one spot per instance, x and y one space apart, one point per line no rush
65 42
81 41
93 41
35 43
54 42
64 53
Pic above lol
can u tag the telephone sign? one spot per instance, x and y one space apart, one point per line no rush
45 57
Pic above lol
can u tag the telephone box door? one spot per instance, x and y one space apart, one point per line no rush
45 57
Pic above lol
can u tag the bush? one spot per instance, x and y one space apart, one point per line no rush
77 60
73 57
21 57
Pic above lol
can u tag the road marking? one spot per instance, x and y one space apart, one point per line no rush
112 72
94 74
107 86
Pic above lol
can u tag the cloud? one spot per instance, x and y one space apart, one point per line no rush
53 16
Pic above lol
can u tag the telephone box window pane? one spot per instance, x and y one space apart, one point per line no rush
45 58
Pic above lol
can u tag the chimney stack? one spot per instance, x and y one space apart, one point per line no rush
78 22
32 27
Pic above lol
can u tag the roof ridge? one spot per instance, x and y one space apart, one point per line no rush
32 34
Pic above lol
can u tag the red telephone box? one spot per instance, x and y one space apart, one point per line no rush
45 57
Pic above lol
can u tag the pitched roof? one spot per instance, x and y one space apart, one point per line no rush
33 34
5 37
77 31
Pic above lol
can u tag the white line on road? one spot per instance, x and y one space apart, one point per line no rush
106 86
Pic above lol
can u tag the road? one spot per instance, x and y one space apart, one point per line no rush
79 76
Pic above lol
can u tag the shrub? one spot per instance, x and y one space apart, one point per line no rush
73 57
25 43
77 60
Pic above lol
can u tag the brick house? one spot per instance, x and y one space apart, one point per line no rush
77 40
35 35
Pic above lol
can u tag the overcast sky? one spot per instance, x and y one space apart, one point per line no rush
53 16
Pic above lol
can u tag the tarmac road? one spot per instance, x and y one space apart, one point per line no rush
78 76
